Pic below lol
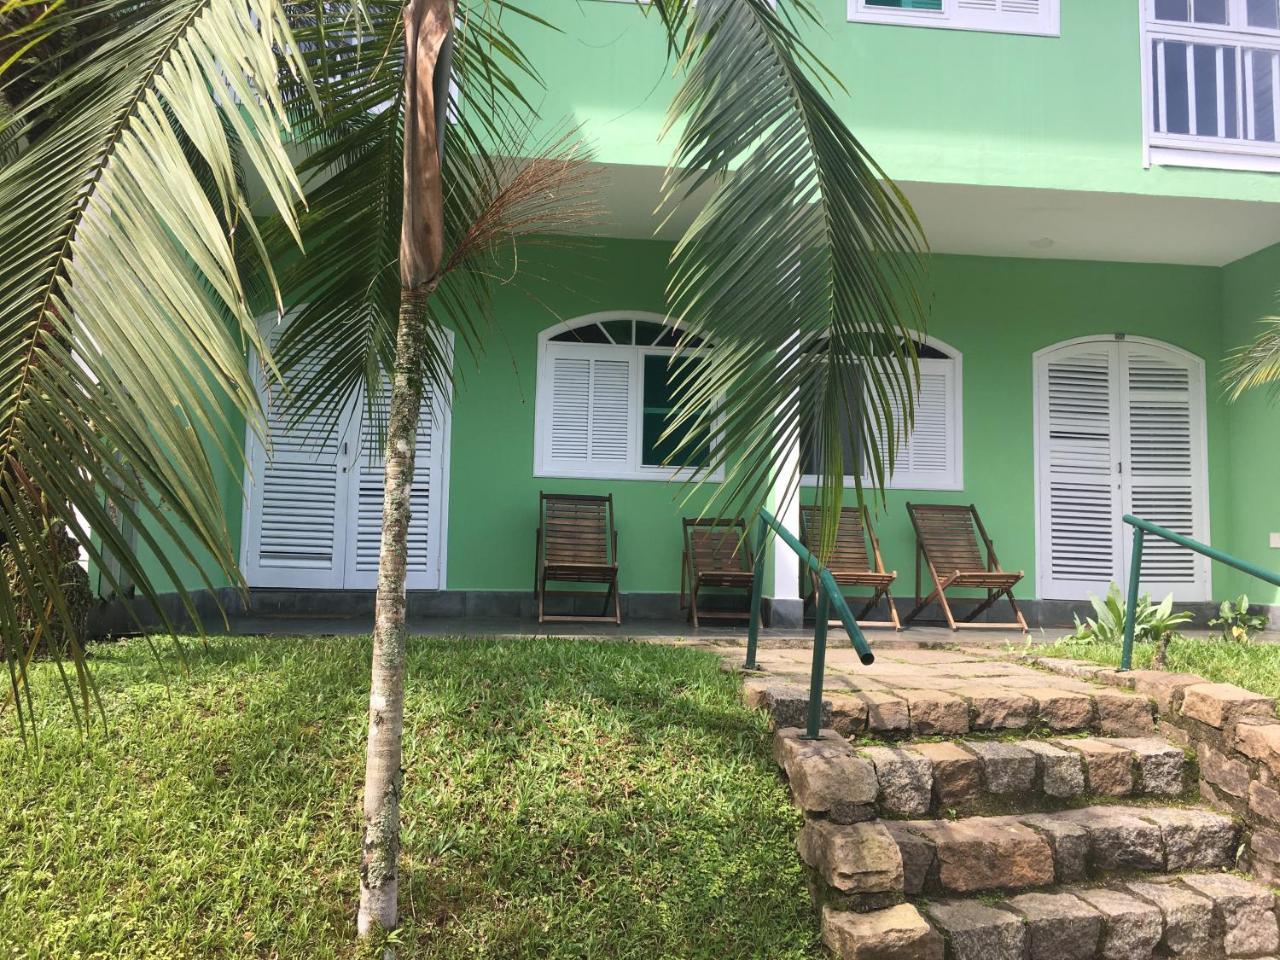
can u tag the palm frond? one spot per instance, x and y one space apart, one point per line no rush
1256 364
123 321
803 268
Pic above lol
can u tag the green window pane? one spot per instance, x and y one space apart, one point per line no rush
660 382
907 4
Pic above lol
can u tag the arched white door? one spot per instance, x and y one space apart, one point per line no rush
313 512
1120 429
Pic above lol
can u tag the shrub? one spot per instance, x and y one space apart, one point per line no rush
1153 622
1237 622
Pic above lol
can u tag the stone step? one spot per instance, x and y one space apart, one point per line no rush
1196 916
954 707
872 863
831 778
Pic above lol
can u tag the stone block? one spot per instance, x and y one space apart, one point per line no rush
1258 740
980 854
786 703
1165 689
1059 926
936 713
1220 704
1061 710
957 774
1264 855
790 743
885 712
918 858
841 788
1070 843
1060 773
1132 927
1188 918
1264 802
997 708
897 933
1245 913
1007 769
1074 668
1229 775
1159 765
1193 839
1123 714
859 858
906 780
848 714
1108 768
978 932
1119 840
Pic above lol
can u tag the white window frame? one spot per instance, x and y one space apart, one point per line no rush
1193 150
906 479
634 469
953 17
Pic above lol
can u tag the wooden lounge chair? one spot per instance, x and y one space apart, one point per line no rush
716 554
849 562
577 543
946 541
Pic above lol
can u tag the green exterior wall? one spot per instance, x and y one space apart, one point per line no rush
1253 465
946 106
996 312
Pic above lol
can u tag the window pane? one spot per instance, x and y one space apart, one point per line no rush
1262 70
1211 11
850 438
591 333
648 333
620 331
661 380
1265 14
1177 110
907 4
1172 10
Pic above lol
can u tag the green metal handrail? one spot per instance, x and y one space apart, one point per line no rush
1140 529
828 594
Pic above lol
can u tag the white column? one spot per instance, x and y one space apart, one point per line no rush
786 500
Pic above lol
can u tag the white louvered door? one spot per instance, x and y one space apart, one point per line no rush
297 492
589 409
1119 430
364 510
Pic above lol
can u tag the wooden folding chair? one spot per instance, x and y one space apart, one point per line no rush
716 554
576 543
945 540
849 562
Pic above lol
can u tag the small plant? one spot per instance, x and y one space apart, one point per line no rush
1237 622
1153 623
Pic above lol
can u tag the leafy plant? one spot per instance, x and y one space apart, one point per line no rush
1153 622
1237 622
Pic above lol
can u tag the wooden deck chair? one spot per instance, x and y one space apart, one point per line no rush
849 563
577 543
716 554
946 542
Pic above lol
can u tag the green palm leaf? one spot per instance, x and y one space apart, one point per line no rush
802 268
123 320
1256 364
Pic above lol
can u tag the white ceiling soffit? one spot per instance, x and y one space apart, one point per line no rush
1011 221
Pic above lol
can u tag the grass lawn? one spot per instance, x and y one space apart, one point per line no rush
563 799
1252 665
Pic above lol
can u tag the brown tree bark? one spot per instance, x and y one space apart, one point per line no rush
427 25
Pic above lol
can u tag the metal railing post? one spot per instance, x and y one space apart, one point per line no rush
816 678
1131 609
757 589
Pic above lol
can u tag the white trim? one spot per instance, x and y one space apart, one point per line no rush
908 481
543 465
1046 23
1203 589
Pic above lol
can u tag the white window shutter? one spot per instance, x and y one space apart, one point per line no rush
929 459
1007 16
1162 426
587 421
1078 465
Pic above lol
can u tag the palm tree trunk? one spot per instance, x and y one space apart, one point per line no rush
427 25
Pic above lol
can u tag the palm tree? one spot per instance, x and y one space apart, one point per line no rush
803 267
1256 364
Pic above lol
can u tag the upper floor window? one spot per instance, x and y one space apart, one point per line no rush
1212 82
994 16
931 457
606 387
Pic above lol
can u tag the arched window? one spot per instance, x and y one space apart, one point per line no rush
605 389
932 457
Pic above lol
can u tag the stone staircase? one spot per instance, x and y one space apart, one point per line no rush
1013 815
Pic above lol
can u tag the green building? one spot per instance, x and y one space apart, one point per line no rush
1099 181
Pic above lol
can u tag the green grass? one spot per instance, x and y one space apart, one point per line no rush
1252 665
563 799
